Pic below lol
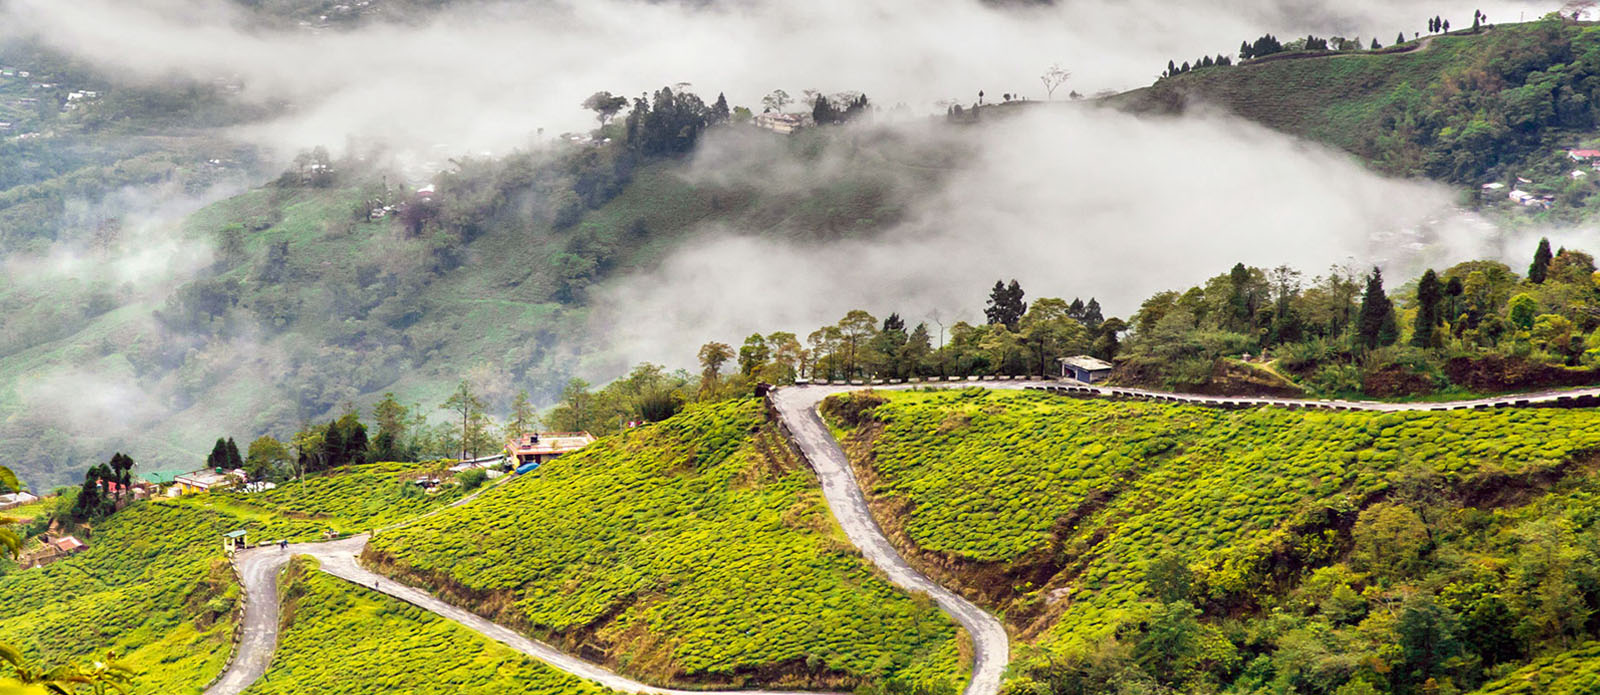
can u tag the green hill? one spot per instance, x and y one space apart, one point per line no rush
1264 550
154 588
1467 108
341 638
697 551
309 306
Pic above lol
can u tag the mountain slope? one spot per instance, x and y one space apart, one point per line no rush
1207 549
693 551
1464 107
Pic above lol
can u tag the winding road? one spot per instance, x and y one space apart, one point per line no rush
797 411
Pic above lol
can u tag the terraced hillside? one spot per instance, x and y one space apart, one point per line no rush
154 587
696 551
341 638
1206 549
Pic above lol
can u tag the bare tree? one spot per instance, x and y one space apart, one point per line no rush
1052 78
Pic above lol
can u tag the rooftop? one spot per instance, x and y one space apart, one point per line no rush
1092 364
549 443
203 478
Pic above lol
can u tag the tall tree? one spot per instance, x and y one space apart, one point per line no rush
466 404
390 444
1005 305
1053 77
1541 262
1430 311
235 461
856 328
523 417
605 106
1375 325
712 356
753 355
719 110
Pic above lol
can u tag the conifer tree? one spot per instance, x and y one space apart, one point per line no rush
1541 263
1399 38
719 110
235 461
1430 310
1376 45
1375 326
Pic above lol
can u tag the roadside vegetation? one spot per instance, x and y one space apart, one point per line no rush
1157 546
333 629
695 551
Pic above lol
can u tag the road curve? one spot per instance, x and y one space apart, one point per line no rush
259 567
797 407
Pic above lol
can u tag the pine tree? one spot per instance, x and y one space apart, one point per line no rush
219 455
1092 318
1375 325
1541 263
1430 310
1445 27
1399 38
235 461
719 110
1244 50
1376 45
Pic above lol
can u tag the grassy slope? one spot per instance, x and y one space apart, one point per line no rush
1087 493
340 638
696 550
153 586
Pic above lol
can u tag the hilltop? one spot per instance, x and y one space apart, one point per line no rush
1467 107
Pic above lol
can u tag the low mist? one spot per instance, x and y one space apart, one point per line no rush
1072 201
488 76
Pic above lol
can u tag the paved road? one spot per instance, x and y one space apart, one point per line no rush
259 567
1581 397
797 406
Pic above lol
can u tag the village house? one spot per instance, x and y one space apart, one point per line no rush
1086 369
201 481
783 123
16 499
52 551
1583 155
543 446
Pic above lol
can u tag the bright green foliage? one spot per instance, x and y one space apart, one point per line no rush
343 639
1570 673
149 589
349 500
698 549
1102 494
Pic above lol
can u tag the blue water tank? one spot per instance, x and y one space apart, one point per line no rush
527 467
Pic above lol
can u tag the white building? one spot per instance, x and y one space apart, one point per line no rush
784 123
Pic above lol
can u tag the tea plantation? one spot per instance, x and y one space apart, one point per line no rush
696 551
152 589
1249 550
339 638
349 500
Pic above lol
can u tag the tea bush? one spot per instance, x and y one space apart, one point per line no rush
694 550
1249 505
340 638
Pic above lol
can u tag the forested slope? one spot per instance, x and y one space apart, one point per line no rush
1237 551
1506 101
298 303
694 551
